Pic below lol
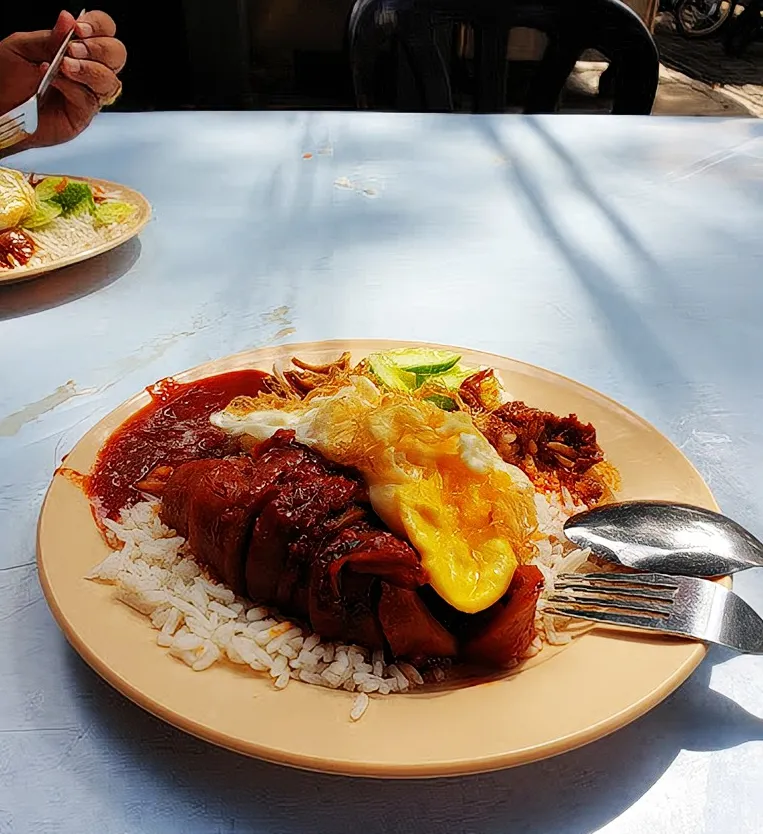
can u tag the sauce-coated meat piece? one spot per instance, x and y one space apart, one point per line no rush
178 492
411 630
212 504
215 503
541 444
291 527
511 629
224 503
383 555
343 608
345 582
293 589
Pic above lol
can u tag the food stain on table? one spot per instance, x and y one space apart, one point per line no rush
13 423
323 151
149 353
349 185
278 316
283 333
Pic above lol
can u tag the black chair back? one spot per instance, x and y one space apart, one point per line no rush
405 46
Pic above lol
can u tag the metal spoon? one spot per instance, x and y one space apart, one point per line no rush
660 537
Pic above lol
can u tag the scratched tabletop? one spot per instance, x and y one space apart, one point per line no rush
626 253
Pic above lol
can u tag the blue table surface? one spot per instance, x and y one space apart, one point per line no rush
626 253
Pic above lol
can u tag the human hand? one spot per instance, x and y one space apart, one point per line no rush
86 82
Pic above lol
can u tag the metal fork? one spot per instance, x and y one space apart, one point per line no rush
679 605
22 120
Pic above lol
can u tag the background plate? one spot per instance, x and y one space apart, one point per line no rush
558 701
133 227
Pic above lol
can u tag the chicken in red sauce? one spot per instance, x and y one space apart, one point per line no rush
285 527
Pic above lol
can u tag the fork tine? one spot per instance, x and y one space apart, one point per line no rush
651 623
8 126
700 609
10 135
601 587
11 139
656 607
16 112
653 580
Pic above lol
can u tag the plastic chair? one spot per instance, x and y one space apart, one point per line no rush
413 39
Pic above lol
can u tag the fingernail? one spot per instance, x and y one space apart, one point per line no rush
84 30
77 50
72 65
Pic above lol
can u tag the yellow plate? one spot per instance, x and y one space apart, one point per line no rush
130 229
560 700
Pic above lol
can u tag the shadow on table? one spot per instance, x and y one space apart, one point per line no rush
635 341
64 285
650 307
571 794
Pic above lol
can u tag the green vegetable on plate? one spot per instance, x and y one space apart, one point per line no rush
108 213
45 212
391 375
75 197
423 362
45 189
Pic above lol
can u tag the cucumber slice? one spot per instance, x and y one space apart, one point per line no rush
423 361
46 212
453 379
389 374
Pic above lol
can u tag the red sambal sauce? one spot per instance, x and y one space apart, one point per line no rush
172 429
16 248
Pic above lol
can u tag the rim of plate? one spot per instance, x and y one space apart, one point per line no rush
338 745
132 229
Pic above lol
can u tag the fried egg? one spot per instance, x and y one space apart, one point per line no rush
17 199
432 477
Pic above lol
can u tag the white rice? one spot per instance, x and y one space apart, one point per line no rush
71 235
556 556
201 622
